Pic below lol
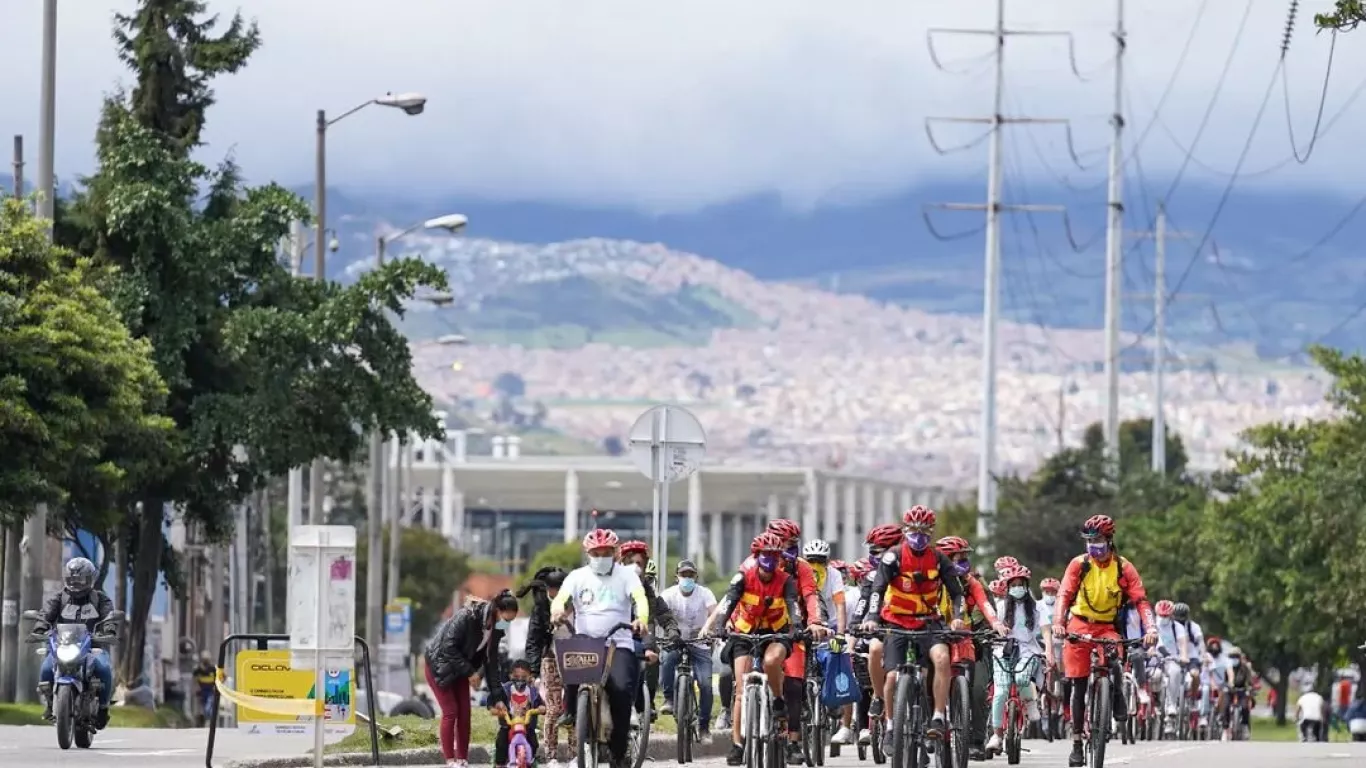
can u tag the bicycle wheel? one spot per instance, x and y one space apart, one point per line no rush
960 722
1012 724
1126 728
813 730
751 727
904 754
860 721
685 717
640 735
586 729
1101 706
878 738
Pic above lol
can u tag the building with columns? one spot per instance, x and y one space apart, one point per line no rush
508 507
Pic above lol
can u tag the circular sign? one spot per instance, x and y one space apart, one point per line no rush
667 443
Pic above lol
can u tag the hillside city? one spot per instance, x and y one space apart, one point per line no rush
828 377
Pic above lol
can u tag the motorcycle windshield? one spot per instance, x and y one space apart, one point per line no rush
71 634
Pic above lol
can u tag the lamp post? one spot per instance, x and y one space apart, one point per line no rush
379 465
411 104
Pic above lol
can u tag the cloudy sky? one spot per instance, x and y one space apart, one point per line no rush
670 106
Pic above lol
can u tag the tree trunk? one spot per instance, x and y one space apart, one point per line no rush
121 567
145 573
1284 665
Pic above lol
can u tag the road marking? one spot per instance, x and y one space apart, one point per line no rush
154 753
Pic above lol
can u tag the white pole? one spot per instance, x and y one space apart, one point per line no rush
1114 244
1160 347
991 312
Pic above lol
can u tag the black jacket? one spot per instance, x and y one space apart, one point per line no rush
62 608
661 618
539 633
454 653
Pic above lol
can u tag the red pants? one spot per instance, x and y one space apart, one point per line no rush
1076 656
455 716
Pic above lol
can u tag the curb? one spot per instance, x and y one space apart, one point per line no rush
662 748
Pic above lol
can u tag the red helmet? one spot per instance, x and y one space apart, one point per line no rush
633 547
998 587
859 569
765 542
953 545
1016 572
1005 562
1050 584
885 536
919 516
1098 526
840 566
599 538
1164 608
784 529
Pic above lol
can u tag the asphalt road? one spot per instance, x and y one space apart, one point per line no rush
36 747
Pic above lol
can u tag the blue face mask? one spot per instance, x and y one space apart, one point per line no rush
501 625
687 584
918 540
962 567
1235 662
1098 549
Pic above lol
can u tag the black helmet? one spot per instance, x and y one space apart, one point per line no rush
1181 612
79 576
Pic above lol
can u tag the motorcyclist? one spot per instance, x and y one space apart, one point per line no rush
78 603
205 677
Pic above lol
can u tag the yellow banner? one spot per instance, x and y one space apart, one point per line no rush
270 691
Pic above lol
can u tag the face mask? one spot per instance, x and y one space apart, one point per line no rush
636 567
1018 592
601 565
520 685
1214 650
962 567
791 552
1098 549
767 561
918 540
1049 599
501 625
1235 662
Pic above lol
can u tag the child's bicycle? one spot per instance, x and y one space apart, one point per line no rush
520 752
1015 719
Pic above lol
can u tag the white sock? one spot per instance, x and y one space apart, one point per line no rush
941 714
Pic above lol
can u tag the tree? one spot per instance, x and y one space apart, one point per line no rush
1346 15
264 371
1136 447
567 555
430 571
510 384
78 394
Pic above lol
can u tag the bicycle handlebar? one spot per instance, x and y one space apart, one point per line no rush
957 634
1110 641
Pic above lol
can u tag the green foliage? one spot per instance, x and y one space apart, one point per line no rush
430 571
1346 15
567 555
78 395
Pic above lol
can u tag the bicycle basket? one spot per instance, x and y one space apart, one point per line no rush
581 659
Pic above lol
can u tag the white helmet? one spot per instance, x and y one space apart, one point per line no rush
816 548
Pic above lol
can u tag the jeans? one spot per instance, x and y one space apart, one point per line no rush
1023 677
454 731
701 669
99 667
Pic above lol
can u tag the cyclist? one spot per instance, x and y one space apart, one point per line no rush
1212 678
981 613
814 618
908 593
1180 643
690 603
635 554
879 539
1028 629
1049 587
1094 588
830 587
762 599
78 603
1238 679
604 594
1002 563
997 587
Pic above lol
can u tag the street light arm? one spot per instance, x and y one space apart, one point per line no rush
332 121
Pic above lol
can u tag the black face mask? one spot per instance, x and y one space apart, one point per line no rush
1215 650
520 684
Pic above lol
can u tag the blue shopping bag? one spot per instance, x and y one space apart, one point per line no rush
841 687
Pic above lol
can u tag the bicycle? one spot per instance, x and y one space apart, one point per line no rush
1015 719
910 705
1134 696
765 743
519 747
1054 706
876 725
816 727
640 731
1099 694
586 661
685 697
960 690
1236 720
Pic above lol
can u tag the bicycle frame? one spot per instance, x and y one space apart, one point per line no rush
519 747
1104 653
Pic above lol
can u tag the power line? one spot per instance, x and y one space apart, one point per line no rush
1323 99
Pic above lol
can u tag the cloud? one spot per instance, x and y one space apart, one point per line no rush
669 106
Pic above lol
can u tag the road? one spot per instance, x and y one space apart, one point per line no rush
36 747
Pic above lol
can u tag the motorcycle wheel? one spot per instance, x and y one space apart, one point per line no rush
84 738
62 705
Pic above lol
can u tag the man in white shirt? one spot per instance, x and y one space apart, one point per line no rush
1309 712
1181 643
691 603
604 594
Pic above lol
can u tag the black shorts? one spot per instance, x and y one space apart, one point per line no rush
737 647
895 647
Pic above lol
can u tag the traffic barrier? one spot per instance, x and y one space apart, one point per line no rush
313 707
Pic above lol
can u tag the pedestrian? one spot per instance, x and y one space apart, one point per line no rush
1309 711
461 648
540 654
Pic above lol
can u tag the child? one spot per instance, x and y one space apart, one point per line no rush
522 697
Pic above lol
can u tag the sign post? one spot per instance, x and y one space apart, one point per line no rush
667 444
322 610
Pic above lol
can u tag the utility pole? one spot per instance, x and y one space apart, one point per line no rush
374 521
991 300
403 448
296 477
9 609
1159 298
1114 244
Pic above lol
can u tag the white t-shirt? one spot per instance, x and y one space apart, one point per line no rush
1028 640
834 582
1311 706
692 610
1167 639
600 602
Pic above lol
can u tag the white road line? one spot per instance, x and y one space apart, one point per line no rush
154 753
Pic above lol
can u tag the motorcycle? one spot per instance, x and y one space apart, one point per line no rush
75 689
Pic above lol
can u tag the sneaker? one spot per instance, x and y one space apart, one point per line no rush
865 736
736 755
875 708
723 722
704 735
994 743
1032 711
667 708
795 756
844 735
936 728
101 718
1078 757
779 709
